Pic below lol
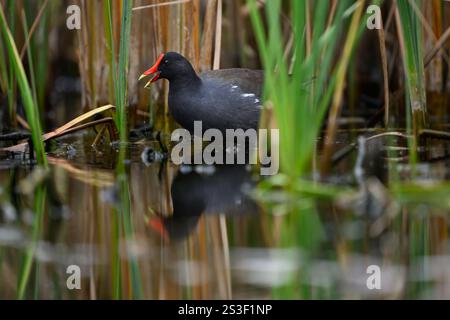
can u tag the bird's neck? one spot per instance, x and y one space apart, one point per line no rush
186 80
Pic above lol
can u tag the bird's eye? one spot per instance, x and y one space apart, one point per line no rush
166 61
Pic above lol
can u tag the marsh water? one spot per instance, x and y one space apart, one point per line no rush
142 228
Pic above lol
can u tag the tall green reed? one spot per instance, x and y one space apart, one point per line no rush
119 78
3 68
30 107
10 7
120 69
27 263
115 232
39 43
30 56
301 100
410 36
110 52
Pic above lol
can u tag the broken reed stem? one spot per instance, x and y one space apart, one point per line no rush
437 47
82 127
435 134
345 151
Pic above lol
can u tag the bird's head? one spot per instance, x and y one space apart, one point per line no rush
170 66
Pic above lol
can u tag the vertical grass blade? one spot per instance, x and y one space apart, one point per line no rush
4 75
39 208
410 36
30 59
300 109
42 61
109 40
24 87
122 69
10 6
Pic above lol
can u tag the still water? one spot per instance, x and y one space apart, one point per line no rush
153 230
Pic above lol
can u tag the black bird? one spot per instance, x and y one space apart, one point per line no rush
223 192
221 99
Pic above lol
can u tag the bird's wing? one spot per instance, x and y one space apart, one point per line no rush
249 81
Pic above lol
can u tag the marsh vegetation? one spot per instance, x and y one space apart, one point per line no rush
86 180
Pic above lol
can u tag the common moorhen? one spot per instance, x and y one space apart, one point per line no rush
221 99
226 191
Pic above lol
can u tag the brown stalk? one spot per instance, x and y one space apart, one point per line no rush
218 36
331 14
82 62
92 50
308 28
23 122
82 127
382 43
61 130
33 28
207 36
196 31
438 45
436 134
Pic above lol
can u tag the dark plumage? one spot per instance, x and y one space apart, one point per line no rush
223 192
221 99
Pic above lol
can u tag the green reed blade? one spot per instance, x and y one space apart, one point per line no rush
30 107
39 209
30 60
300 109
410 29
122 69
10 7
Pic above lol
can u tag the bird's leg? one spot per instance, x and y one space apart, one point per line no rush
161 144
31 149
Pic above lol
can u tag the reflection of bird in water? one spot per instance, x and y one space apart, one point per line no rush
194 194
